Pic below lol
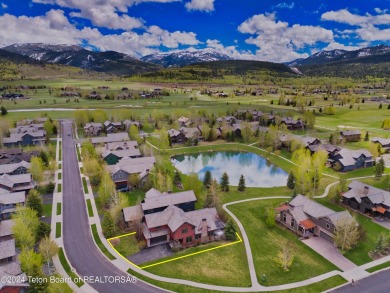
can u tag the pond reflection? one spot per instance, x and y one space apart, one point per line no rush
258 172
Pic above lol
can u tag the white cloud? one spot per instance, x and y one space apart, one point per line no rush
339 46
4 6
279 42
344 16
285 5
380 11
368 30
54 27
110 14
201 5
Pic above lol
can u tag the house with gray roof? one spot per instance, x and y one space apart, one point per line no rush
8 203
350 135
113 157
127 123
156 201
15 168
16 155
125 167
113 127
346 160
384 143
6 229
367 199
93 129
25 138
7 251
180 228
15 183
308 218
111 137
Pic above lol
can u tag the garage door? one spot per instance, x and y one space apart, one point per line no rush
325 236
158 240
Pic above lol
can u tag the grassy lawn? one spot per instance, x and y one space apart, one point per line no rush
58 208
59 187
59 166
126 245
59 176
313 288
266 243
47 209
379 267
226 266
234 195
89 206
58 229
67 268
85 185
78 154
135 196
82 170
100 244
60 152
359 254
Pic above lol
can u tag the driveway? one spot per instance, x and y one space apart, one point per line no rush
331 253
150 254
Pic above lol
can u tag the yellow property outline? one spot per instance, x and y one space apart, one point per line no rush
169 260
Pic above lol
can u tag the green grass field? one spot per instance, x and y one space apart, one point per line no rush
100 244
226 266
47 209
58 230
58 208
126 245
265 244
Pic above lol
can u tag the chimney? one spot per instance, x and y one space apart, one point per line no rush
125 145
365 191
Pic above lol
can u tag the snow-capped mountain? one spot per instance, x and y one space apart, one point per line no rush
340 56
109 61
183 58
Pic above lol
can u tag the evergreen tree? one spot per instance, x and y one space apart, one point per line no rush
230 230
380 106
225 182
379 168
45 158
3 111
34 201
108 225
43 230
367 137
241 184
207 179
169 140
177 179
38 286
291 180
270 219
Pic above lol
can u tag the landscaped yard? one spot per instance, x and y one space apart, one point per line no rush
226 266
359 254
265 244
126 245
47 209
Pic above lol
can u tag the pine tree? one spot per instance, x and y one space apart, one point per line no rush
3 111
169 140
379 168
34 201
225 182
43 230
230 230
207 179
291 180
380 106
108 225
241 184
367 137
177 179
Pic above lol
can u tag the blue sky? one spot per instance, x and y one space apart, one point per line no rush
248 29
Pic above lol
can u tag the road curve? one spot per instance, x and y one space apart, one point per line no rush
81 251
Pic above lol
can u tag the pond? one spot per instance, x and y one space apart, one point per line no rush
258 171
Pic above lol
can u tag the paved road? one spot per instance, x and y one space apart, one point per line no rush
79 246
378 283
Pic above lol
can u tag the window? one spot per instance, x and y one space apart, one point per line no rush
327 226
189 239
198 236
184 231
292 223
284 218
